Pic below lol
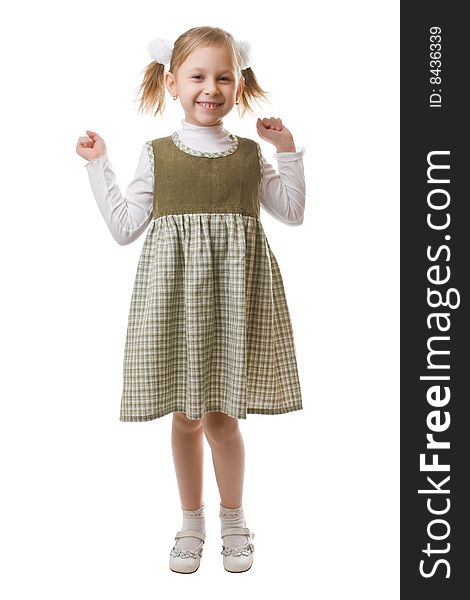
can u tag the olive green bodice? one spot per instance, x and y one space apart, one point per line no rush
206 182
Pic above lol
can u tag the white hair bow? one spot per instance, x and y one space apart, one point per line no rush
160 51
245 51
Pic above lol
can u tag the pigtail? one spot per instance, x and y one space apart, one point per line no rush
251 92
151 92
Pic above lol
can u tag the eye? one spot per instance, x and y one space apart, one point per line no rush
199 76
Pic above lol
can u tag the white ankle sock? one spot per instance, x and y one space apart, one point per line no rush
232 517
192 519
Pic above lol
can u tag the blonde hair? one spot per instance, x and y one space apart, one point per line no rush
151 92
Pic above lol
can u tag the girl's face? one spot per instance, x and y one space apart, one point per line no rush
206 84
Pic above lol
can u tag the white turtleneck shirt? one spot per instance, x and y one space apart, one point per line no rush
281 194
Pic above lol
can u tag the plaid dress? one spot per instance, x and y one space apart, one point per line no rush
209 327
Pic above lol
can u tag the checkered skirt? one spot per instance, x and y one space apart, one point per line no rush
209 327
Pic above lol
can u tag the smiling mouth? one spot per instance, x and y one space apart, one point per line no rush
209 105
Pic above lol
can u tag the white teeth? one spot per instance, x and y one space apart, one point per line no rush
207 104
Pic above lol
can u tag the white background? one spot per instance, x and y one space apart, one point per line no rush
89 504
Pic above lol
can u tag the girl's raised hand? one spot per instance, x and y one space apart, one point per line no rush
272 130
91 147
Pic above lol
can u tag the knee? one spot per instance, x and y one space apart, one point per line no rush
219 427
185 425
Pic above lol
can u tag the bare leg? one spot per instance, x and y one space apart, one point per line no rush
188 448
228 456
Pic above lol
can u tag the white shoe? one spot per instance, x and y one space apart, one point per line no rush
187 561
237 559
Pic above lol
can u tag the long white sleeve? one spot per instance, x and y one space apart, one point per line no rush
283 194
127 217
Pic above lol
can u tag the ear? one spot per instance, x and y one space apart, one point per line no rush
170 83
241 86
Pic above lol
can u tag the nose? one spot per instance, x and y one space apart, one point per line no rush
211 87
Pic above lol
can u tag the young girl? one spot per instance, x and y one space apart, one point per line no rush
209 336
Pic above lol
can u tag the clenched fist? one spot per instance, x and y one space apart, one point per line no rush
272 130
91 147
